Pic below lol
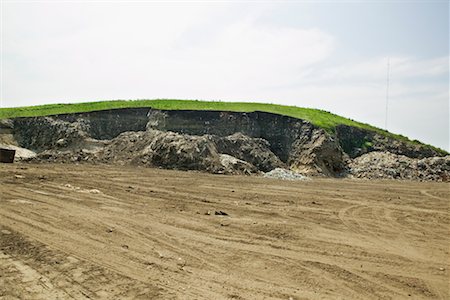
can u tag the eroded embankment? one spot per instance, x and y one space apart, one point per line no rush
213 141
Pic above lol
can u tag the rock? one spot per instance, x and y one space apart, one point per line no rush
21 153
61 143
220 213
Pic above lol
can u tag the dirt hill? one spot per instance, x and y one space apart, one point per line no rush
219 142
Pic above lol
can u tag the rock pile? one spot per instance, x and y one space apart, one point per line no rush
284 174
385 165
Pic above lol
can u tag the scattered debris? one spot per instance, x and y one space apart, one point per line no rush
284 174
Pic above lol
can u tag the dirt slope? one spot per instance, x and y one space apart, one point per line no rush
196 140
105 232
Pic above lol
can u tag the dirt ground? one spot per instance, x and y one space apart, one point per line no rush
109 232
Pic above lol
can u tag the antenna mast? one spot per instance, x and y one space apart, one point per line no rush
387 93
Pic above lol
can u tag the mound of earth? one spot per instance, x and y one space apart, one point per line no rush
172 150
385 165
220 142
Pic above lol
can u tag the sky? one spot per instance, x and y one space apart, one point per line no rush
331 55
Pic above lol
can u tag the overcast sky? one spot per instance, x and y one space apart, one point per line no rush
329 55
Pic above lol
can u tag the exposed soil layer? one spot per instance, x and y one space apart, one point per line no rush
107 232
211 141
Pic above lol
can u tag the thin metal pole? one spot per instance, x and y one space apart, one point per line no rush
387 95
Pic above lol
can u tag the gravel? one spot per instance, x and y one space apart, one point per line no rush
283 174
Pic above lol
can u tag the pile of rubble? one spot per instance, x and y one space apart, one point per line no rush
235 154
280 173
385 165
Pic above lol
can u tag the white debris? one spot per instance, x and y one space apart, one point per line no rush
284 174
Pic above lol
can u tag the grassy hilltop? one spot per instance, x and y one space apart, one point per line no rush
321 118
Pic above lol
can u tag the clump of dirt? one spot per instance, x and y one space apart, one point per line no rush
255 151
385 165
234 165
163 149
236 154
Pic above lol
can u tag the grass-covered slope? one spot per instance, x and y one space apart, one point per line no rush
323 119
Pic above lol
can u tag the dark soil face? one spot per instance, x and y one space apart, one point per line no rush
356 142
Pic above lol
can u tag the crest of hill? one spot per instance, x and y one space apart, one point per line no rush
320 118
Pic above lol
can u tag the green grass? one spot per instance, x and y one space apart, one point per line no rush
323 119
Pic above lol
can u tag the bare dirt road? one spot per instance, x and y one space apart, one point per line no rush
108 232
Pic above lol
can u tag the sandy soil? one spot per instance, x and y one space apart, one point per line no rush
105 232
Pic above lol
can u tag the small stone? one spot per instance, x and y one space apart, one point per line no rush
181 262
220 213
